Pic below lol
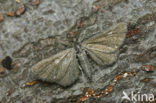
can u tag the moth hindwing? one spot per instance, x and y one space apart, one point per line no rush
103 48
61 68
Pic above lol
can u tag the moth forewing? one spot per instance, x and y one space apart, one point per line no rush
109 41
61 68
103 48
103 58
98 47
71 74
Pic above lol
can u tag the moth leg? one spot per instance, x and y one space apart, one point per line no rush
23 51
30 47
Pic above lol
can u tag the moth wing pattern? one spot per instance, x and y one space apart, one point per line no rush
103 48
61 68
103 58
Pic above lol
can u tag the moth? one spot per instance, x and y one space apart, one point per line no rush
63 67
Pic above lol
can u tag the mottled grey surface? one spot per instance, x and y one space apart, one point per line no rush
58 17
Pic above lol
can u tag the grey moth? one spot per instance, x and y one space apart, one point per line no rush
63 67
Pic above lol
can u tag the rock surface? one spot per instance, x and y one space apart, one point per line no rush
34 28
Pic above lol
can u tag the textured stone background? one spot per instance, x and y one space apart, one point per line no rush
58 17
